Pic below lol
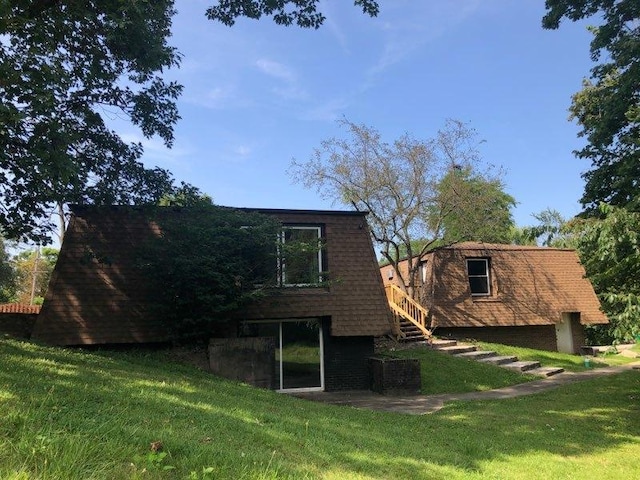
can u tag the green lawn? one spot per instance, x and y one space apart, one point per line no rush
443 373
66 414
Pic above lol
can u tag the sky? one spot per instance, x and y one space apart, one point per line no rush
257 95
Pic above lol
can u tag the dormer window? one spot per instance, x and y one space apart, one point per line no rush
478 272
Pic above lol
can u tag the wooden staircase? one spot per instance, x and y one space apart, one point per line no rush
410 318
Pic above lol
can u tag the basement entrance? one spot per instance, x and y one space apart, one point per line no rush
298 355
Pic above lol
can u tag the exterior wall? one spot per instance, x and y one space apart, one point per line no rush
540 337
346 362
354 296
18 325
578 333
97 296
529 286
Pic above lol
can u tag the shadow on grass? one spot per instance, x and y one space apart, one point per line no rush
122 402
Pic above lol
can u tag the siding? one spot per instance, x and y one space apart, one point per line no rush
529 286
96 296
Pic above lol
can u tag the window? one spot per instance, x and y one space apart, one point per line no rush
423 271
478 271
298 357
300 256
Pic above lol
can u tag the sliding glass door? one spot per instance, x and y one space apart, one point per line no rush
298 353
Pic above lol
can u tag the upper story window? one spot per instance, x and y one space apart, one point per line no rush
423 271
300 258
478 272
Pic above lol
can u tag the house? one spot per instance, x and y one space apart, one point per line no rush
517 295
304 334
17 319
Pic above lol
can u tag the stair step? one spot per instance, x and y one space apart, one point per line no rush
439 343
546 371
411 330
477 354
457 349
499 359
521 366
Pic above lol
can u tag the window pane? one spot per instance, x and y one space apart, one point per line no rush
477 267
301 354
301 261
479 285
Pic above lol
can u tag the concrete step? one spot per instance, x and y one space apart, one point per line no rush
457 349
477 354
439 343
521 365
545 371
499 359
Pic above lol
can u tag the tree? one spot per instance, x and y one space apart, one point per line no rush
609 249
303 13
33 270
65 67
7 275
400 185
482 210
206 264
608 106
552 230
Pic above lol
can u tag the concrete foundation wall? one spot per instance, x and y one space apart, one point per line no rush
250 360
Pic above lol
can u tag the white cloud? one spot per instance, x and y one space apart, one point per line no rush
411 26
328 111
243 150
276 70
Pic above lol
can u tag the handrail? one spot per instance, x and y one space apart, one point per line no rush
404 306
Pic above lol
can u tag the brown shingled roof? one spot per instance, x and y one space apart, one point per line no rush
530 286
96 296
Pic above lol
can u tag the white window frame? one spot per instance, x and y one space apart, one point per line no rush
487 276
282 267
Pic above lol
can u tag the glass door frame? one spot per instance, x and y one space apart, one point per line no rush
279 360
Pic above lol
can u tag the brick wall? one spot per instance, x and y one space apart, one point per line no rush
541 337
346 361
395 376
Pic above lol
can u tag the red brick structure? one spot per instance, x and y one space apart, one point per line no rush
519 295
97 296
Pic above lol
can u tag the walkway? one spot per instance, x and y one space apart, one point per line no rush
421 404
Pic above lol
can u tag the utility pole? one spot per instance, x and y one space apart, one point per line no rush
34 275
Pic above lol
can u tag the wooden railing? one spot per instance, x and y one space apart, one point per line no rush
403 306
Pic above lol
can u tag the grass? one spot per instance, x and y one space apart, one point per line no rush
75 415
443 373
573 363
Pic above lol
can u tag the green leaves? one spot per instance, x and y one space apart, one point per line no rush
206 264
609 249
607 107
65 68
304 13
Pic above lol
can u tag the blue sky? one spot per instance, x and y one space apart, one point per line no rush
257 95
